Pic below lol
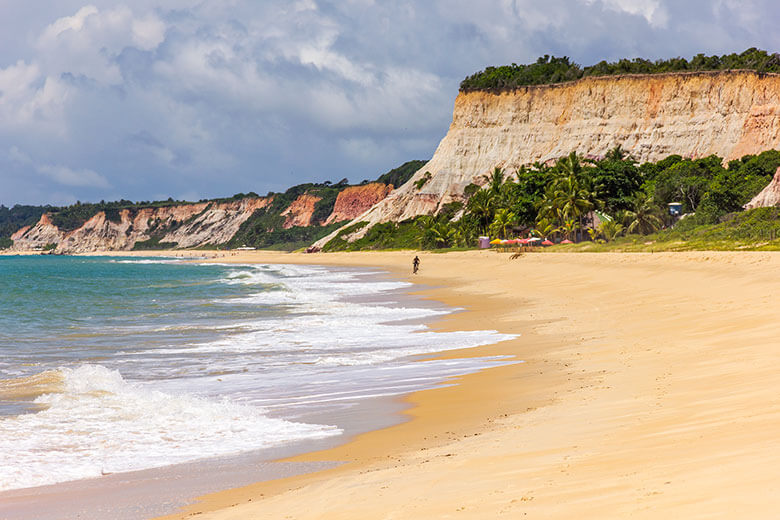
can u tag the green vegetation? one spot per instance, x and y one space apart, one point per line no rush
422 181
757 229
253 234
562 200
550 69
12 219
399 176
153 243
6 242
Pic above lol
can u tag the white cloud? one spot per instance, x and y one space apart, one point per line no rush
650 10
58 173
70 177
219 97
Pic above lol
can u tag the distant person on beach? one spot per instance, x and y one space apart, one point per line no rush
415 264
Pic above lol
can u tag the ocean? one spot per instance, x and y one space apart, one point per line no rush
112 365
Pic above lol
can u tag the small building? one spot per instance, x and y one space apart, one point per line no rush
484 242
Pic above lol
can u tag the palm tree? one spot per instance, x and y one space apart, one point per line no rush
572 200
616 154
503 219
610 229
434 233
544 228
570 166
495 180
645 218
481 205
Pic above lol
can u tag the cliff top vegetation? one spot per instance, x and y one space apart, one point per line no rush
550 69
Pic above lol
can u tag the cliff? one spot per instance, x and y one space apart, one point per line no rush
299 213
355 200
204 223
186 225
769 196
730 114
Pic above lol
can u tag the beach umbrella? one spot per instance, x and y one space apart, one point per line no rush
495 241
547 243
567 241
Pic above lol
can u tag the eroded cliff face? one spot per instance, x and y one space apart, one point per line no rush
730 114
188 225
769 196
356 200
299 213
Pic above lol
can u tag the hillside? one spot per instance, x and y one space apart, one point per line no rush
286 220
694 114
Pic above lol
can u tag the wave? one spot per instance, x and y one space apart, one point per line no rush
96 422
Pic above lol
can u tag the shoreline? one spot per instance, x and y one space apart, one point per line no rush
372 414
647 389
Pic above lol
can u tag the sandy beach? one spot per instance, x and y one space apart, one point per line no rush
648 390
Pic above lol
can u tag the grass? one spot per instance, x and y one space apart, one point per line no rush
754 230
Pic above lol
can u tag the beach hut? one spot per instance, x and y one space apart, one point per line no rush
484 242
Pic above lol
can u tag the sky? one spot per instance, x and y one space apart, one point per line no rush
146 100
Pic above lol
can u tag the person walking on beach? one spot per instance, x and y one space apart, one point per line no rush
415 264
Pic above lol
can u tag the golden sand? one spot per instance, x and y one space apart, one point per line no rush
650 389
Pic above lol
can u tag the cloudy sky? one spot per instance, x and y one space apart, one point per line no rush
193 99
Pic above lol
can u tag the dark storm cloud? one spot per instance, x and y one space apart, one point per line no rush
196 99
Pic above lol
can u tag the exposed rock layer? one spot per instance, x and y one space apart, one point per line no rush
189 225
730 114
299 213
769 196
355 200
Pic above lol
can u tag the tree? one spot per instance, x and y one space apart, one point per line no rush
544 228
494 181
481 204
572 200
503 220
644 219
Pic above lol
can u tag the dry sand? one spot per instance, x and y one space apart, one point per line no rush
650 389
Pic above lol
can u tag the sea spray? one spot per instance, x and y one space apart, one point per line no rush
101 424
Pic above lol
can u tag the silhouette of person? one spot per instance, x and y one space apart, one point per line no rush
415 265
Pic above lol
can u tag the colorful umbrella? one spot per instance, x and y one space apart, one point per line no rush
567 241
547 243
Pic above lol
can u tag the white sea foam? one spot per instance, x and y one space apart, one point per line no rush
291 339
145 261
100 424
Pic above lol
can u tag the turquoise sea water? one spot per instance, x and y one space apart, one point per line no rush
110 364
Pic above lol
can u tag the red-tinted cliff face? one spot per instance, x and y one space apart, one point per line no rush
356 200
300 211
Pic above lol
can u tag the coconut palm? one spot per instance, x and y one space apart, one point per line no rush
495 180
503 220
573 201
544 228
482 205
610 229
645 218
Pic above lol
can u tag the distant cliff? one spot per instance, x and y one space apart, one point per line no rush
187 225
299 215
728 113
